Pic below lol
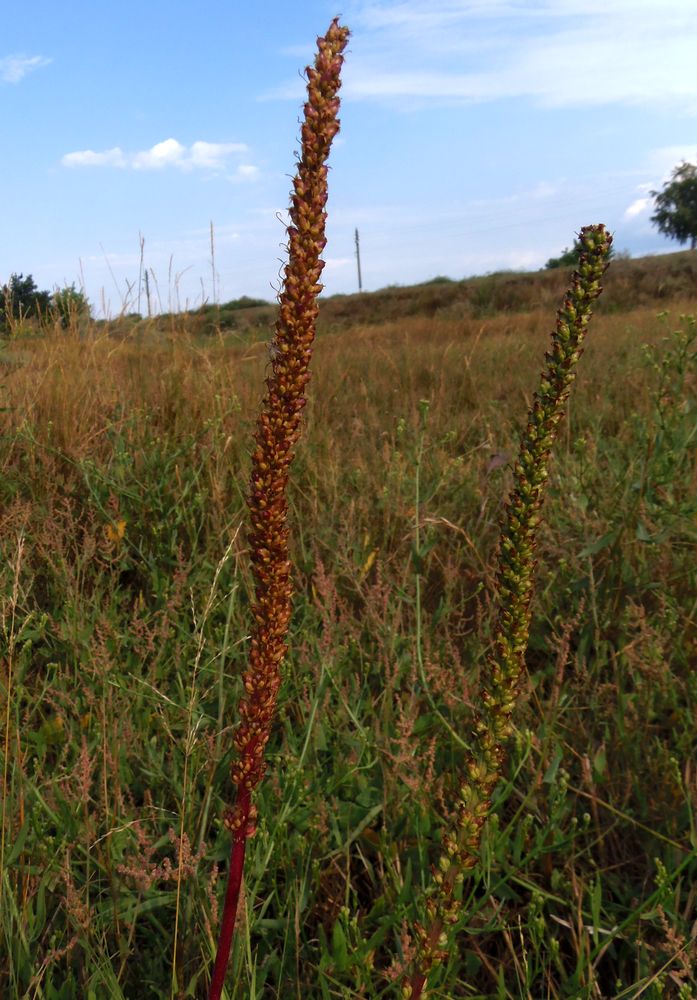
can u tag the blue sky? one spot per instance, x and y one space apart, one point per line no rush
476 136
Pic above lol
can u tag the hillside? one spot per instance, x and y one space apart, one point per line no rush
629 283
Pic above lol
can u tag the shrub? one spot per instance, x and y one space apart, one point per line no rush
70 307
21 299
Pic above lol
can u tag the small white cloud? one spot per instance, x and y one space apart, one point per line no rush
168 153
637 207
88 158
214 154
15 68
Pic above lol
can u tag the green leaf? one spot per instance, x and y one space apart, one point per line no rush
609 538
339 948
18 845
379 936
642 533
596 899
551 772
319 737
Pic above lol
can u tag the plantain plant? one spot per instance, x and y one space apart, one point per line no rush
277 433
278 430
506 663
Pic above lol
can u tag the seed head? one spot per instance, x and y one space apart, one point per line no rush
278 426
506 664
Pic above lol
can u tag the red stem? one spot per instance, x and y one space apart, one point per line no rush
232 895
417 984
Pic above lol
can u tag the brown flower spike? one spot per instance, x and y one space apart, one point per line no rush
278 430
506 665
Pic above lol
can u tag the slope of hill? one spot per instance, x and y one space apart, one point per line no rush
629 283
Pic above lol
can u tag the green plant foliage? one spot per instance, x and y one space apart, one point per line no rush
70 307
244 302
21 299
568 258
116 577
676 205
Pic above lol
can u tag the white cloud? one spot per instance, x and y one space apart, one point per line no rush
169 153
88 158
211 156
15 68
554 52
637 207
214 154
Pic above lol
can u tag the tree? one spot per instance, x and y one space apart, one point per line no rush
567 258
69 306
676 205
19 299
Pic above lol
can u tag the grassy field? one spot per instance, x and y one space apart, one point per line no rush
125 590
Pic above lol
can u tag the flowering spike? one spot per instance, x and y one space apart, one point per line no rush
506 664
277 432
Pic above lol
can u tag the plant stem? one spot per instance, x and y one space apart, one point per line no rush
232 895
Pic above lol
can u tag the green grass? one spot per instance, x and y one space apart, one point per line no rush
125 590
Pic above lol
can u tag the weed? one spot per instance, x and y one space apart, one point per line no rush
516 563
278 430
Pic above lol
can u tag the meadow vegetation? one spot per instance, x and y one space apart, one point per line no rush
629 283
125 594
123 637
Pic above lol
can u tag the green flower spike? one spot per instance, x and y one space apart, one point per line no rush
506 663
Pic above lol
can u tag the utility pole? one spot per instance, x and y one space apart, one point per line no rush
140 270
358 262
213 275
147 291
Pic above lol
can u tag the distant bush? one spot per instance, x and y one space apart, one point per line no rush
568 257
21 299
244 302
69 306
